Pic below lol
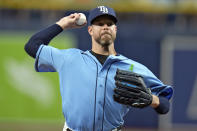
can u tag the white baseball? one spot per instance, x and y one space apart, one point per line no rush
81 20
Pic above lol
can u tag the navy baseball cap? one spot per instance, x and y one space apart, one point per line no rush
100 11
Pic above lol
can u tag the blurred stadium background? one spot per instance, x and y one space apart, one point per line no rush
161 34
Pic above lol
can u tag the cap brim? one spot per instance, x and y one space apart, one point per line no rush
110 16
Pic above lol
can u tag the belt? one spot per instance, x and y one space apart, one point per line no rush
116 129
67 129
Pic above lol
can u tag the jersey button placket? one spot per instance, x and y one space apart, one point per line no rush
100 96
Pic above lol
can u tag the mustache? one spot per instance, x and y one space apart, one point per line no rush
106 33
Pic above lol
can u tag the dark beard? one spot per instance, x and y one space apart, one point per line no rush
104 43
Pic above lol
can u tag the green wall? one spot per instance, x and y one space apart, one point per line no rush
26 95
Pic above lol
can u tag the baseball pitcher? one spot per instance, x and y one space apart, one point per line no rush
98 86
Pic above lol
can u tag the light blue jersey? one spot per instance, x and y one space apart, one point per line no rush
87 86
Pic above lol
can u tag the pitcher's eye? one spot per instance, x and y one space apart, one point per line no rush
110 24
100 24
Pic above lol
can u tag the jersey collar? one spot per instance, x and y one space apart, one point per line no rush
111 58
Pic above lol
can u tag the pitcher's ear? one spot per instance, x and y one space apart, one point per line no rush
116 28
90 30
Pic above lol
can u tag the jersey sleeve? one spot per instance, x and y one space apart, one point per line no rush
157 87
50 59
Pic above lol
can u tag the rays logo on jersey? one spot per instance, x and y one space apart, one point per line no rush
103 9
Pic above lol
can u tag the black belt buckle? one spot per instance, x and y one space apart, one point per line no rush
119 128
68 129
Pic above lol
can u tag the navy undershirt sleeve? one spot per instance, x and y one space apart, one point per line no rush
42 37
164 105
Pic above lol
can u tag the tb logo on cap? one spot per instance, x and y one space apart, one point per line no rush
103 9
